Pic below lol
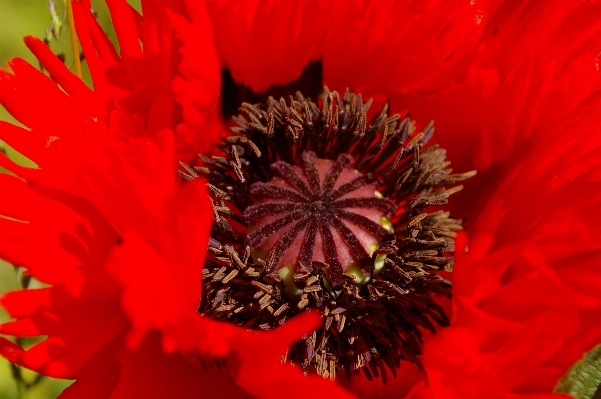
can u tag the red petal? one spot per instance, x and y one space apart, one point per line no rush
99 52
61 227
197 88
162 290
9 350
391 46
24 141
266 43
258 369
77 326
61 74
98 378
148 373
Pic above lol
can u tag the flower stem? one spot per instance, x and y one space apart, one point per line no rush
73 34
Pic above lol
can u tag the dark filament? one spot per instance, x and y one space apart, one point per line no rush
316 206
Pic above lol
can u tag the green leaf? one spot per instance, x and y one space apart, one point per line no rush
583 380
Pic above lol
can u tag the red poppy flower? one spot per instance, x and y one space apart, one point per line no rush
513 89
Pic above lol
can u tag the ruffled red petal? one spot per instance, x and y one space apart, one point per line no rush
415 45
521 299
71 241
149 373
156 85
535 63
62 227
197 87
96 182
375 48
162 284
98 378
266 43
259 353
10 351
162 293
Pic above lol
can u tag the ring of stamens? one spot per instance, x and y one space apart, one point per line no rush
372 327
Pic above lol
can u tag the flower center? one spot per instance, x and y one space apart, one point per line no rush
299 225
322 211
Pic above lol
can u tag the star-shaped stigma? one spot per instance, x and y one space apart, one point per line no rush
319 200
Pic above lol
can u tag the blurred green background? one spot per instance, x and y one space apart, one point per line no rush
19 18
